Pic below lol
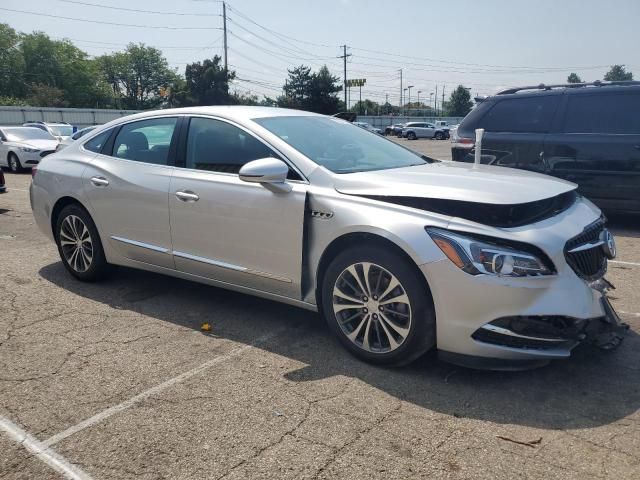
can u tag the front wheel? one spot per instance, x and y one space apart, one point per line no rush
79 244
14 163
439 136
411 136
377 304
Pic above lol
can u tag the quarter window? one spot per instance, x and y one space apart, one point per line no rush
97 142
604 113
218 146
521 115
146 141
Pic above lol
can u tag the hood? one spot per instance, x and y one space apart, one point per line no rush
455 181
40 144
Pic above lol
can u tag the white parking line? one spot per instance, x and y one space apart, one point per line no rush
41 451
625 263
99 417
631 314
11 189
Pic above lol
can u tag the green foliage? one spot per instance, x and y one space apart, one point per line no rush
44 95
459 103
574 78
618 73
316 92
12 67
14 102
207 83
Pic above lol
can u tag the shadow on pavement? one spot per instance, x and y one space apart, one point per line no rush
590 389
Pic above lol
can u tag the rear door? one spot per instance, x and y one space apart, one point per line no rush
128 187
515 129
599 147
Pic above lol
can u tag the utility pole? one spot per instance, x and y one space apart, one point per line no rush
344 58
436 101
224 23
401 109
386 102
442 104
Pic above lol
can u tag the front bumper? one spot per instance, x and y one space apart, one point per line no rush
474 315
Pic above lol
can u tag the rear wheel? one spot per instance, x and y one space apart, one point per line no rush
79 244
14 163
439 136
411 136
376 303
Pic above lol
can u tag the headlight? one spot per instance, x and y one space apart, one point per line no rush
29 150
476 256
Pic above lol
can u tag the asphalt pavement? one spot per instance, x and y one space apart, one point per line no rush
116 380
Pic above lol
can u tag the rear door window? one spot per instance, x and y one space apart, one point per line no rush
521 115
146 141
604 113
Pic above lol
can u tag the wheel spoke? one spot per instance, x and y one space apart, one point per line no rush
65 234
365 338
348 319
356 331
392 341
400 298
338 307
402 331
352 270
344 296
393 283
366 267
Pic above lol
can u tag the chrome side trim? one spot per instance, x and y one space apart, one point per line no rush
230 266
587 246
210 261
148 246
506 331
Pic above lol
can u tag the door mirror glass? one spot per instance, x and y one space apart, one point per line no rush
270 172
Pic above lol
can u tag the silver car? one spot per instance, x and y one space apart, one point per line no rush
494 267
24 147
61 131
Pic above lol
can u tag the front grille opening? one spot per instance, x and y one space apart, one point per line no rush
589 264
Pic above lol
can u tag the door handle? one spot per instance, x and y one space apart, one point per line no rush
99 181
187 196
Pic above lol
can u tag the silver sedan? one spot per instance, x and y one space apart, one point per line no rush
494 267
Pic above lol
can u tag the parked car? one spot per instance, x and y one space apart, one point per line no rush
79 134
24 147
368 127
400 253
394 129
587 134
442 125
413 130
3 185
62 131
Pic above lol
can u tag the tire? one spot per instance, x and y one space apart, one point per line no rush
88 264
14 163
411 136
377 317
439 136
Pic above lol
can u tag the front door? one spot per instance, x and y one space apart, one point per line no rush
128 187
229 230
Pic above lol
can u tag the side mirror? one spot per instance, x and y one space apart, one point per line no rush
270 172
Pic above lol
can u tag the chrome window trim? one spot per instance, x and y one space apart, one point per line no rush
148 246
286 159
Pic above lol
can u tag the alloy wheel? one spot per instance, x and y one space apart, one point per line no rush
372 307
76 243
13 164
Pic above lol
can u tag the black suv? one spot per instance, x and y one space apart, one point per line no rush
586 133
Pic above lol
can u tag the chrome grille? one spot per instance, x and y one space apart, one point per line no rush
590 263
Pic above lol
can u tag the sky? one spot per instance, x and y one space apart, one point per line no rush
483 45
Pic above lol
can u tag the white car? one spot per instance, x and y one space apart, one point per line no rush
369 127
24 147
62 131
79 134
413 130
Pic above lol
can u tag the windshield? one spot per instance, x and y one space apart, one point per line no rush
20 134
61 130
338 145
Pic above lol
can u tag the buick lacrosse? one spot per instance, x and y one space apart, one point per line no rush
494 267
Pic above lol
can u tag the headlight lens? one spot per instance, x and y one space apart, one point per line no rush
477 257
29 150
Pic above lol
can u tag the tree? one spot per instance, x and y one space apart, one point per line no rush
459 103
207 83
618 73
46 96
137 76
366 107
574 78
324 92
297 89
11 63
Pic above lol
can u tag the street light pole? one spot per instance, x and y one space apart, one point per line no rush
409 88
419 92
431 102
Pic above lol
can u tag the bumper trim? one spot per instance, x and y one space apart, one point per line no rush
487 363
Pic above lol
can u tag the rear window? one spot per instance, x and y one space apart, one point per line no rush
521 115
603 113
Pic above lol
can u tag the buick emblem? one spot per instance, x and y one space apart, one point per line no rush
608 244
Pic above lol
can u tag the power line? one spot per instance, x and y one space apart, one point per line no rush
108 23
87 4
